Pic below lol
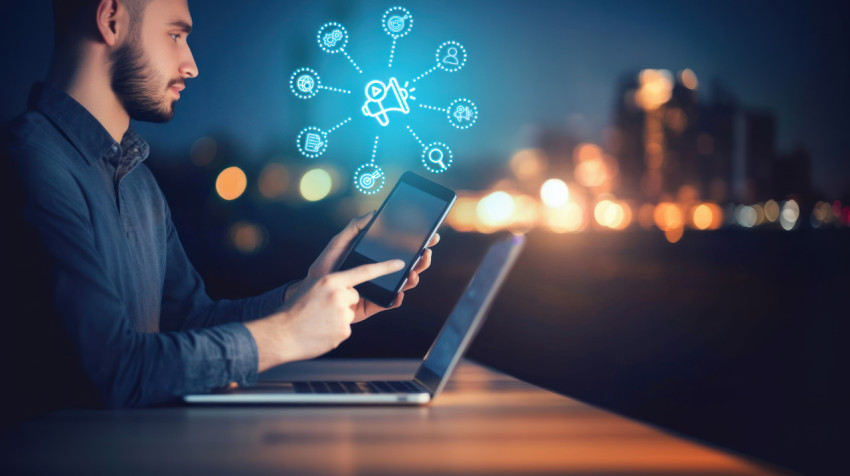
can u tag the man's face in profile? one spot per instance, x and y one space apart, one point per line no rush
150 69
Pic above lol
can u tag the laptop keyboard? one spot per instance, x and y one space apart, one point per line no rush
386 386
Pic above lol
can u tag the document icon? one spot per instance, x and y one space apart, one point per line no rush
313 143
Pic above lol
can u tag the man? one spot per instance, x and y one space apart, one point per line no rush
106 308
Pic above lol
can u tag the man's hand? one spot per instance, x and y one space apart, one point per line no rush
330 258
317 319
320 309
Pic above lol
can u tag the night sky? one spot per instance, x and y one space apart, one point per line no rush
531 64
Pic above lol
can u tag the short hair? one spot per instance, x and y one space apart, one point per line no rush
74 17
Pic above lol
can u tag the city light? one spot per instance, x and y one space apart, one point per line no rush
703 217
746 216
668 216
554 193
789 215
771 210
656 88
528 164
248 238
569 218
611 214
495 209
231 183
688 79
315 185
462 215
273 181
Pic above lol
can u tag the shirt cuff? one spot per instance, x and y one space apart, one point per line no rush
274 299
243 358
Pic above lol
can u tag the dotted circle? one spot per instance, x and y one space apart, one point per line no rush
431 166
442 53
369 168
452 109
397 11
301 145
301 72
328 29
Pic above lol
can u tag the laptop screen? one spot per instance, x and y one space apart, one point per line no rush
467 313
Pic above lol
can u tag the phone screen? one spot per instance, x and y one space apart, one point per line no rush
399 230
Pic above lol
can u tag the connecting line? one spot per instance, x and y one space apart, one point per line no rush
352 62
392 52
337 90
375 148
446 110
426 73
416 137
339 125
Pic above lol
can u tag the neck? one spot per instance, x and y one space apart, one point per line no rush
85 76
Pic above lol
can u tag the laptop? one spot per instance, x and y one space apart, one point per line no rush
463 323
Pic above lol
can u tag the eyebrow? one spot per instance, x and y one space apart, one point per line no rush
187 28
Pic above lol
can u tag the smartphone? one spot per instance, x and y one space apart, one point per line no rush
401 229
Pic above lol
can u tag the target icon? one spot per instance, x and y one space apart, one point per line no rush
369 178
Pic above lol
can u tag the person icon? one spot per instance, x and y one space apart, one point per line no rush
451 56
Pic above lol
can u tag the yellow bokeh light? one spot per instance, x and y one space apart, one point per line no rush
688 78
703 217
771 210
656 88
528 164
673 235
231 183
315 185
614 215
495 209
668 216
462 216
554 193
591 173
569 218
586 151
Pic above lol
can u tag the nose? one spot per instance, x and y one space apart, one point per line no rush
188 68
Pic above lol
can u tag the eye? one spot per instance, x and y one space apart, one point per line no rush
174 36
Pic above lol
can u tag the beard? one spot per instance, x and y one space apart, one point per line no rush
136 85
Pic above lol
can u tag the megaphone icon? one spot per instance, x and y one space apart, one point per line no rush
376 92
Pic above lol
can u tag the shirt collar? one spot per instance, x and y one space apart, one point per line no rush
83 130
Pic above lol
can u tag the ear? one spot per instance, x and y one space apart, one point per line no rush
113 22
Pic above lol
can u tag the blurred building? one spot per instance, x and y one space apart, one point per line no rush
674 143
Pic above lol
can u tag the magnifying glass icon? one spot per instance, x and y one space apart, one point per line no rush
436 156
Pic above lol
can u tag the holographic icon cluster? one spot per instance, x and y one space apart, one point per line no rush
386 99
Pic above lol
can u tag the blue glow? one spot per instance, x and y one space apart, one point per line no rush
312 142
304 83
437 157
397 21
382 98
332 37
451 56
462 113
369 178
376 91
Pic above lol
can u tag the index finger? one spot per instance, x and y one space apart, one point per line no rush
368 272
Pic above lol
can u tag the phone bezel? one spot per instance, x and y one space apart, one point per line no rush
377 294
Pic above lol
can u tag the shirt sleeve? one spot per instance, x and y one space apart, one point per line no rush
185 303
129 368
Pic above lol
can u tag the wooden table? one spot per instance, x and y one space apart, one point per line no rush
484 423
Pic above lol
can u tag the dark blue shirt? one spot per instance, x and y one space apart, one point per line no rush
133 308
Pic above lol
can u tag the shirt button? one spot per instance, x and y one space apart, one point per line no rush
114 148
